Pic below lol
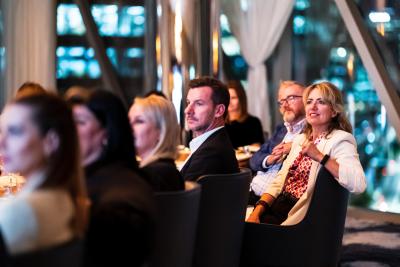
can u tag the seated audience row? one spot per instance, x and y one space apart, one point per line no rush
39 140
49 142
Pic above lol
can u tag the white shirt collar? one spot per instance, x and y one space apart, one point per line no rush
295 128
199 140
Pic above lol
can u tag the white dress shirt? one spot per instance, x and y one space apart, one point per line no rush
198 141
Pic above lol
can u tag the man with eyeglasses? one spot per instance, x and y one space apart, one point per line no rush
267 161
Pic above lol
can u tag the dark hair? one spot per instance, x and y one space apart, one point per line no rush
64 171
220 93
241 94
30 88
113 117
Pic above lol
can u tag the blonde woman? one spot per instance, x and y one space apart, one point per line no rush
155 127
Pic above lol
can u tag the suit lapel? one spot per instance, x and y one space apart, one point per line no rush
206 143
187 163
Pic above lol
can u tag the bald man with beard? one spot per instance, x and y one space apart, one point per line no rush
267 161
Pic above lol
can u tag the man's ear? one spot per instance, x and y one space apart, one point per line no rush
50 143
219 110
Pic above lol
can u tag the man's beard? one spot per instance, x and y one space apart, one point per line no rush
289 116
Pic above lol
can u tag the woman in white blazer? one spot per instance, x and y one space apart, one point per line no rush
326 141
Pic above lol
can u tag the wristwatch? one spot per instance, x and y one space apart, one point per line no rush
324 160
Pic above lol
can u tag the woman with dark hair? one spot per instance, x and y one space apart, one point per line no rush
39 140
102 114
243 129
122 201
326 142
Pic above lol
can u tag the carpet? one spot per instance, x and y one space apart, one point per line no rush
370 244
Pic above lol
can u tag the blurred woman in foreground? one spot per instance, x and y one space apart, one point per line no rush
156 130
39 140
327 141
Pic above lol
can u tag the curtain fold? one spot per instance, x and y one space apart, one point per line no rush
30 43
258 26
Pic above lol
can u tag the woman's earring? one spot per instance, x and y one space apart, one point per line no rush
104 142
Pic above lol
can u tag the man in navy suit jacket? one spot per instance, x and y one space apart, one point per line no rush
211 149
266 149
268 159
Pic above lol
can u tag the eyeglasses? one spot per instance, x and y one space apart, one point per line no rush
288 100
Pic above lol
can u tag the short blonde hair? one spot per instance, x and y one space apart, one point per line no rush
332 95
161 112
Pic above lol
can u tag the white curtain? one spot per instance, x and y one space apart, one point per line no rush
258 26
30 41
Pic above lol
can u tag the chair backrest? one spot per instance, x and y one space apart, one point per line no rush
325 219
221 219
4 257
315 241
68 254
176 226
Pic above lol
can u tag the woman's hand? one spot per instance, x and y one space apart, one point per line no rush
311 150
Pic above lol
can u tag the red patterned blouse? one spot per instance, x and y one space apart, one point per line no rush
297 177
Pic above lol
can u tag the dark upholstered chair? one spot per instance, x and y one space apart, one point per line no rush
315 241
68 254
221 219
176 227
3 252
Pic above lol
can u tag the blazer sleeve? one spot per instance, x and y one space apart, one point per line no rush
351 173
266 149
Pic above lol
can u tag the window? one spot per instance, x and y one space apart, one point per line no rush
338 61
235 67
122 28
